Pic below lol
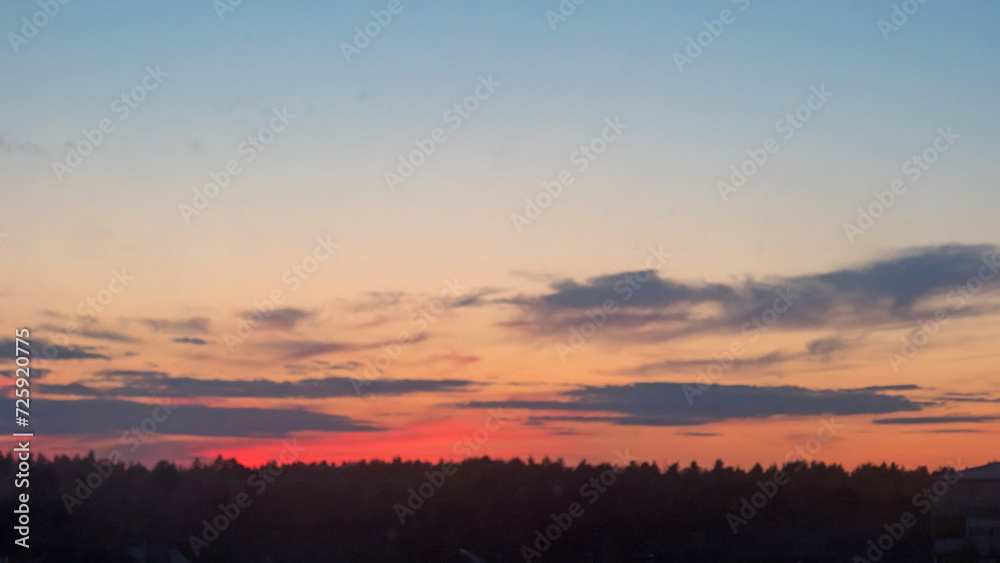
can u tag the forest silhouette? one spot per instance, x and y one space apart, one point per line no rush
88 509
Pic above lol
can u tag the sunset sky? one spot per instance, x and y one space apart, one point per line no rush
689 231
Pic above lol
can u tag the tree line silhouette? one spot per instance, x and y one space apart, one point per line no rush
367 511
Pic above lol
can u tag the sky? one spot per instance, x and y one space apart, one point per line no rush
728 230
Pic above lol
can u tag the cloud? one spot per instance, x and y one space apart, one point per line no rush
460 359
379 301
130 374
159 384
564 432
474 299
904 387
301 349
827 346
948 419
953 431
279 319
387 307
107 335
823 347
44 349
666 404
54 314
656 292
878 294
321 365
33 372
194 341
194 324
540 420
80 389
689 365
969 398
109 416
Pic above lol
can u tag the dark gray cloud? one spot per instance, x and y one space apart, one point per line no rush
80 389
655 292
110 416
194 341
158 384
33 373
970 400
130 374
194 324
827 346
904 387
285 318
541 420
666 404
882 293
43 349
948 419
475 298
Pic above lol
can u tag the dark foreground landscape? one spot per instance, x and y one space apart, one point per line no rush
85 509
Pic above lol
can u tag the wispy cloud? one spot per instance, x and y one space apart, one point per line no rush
194 341
110 417
879 294
95 334
825 347
300 349
194 324
130 374
285 318
321 365
691 365
36 373
957 397
948 419
51 351
665 404
159 384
